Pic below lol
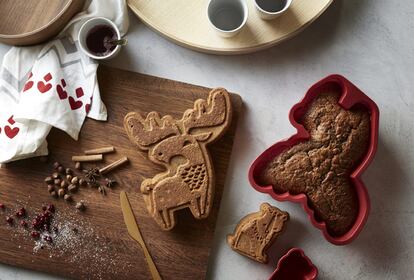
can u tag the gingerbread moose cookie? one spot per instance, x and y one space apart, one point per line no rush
181 147
321 166
256 232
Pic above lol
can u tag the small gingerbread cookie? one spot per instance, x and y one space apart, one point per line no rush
256 232
181 147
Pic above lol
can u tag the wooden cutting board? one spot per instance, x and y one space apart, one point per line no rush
95 244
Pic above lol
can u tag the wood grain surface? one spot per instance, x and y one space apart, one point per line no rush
26 22
186 23
100 247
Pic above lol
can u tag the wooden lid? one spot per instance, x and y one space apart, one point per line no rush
34 21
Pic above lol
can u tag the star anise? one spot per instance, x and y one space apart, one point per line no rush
92 174
94 184
110 182
102 190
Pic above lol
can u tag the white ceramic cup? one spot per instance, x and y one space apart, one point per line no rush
83 33
271 9
227 16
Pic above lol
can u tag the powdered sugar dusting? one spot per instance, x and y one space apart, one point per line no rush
77 242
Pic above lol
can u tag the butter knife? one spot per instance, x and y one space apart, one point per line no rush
135 233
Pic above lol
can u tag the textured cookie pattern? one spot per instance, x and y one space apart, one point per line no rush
321 166
181 147
195 176
256 232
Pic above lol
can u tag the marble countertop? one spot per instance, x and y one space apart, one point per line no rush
368 41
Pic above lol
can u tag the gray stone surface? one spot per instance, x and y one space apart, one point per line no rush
368 41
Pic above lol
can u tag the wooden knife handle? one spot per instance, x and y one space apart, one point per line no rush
151 265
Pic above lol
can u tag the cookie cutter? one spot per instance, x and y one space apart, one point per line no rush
350 96
295 265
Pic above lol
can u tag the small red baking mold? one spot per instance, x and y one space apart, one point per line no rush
350 96
295 265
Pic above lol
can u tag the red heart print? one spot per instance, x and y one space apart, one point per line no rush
29 84
60 91
11 132
47 77
79 92
42 87
88 106
74 105
11 120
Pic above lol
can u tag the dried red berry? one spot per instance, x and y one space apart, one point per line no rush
9 220
23 223
46 227
48 238
21 213
35 223
51 208
2 206
35 234
46 214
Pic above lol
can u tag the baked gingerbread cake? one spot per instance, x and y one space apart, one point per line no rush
321 167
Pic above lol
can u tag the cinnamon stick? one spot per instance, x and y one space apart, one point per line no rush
87 158
103 150
113 165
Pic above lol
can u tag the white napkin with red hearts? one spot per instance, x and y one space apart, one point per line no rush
51 85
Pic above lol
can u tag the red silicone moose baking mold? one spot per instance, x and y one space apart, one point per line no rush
295 265
350 97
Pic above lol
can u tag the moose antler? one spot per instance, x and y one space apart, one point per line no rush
153 129
212 112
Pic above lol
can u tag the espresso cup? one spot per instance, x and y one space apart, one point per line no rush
271 9
227 17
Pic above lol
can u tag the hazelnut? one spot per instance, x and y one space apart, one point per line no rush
75 180
54 194
67 197
72 188
55 175
61 192
69 178
57 182
80 206
63 184
78 165
82 182
48 180
61 169
50 188
69 171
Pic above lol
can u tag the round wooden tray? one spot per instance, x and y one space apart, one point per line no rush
27 22
185 22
